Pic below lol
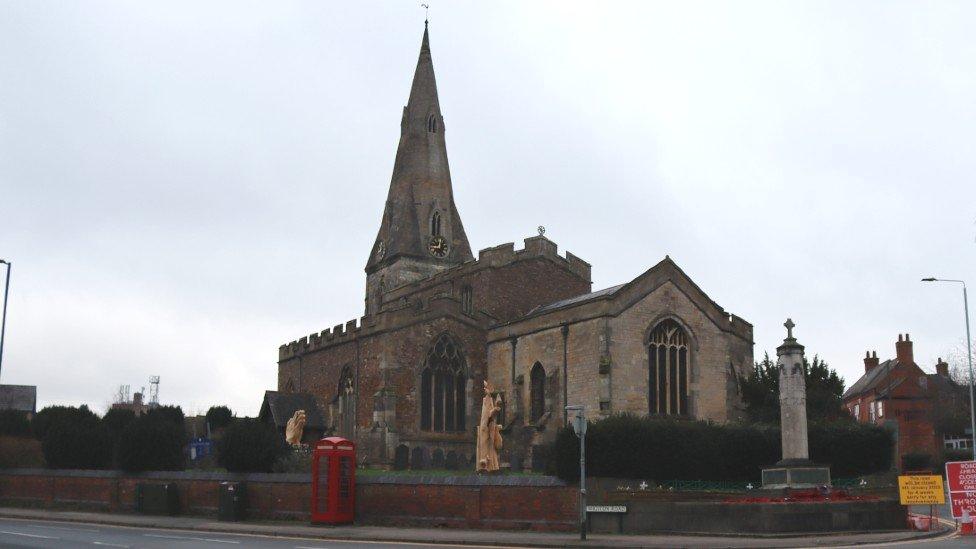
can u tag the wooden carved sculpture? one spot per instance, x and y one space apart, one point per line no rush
489 432
295 427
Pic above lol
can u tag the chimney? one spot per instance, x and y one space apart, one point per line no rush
903 350
870 362
942 368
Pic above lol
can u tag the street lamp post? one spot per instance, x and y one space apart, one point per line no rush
969 350
3 322
579 426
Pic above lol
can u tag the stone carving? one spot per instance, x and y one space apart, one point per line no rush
489 432
295 427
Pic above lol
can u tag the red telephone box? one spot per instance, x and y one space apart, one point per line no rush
333 481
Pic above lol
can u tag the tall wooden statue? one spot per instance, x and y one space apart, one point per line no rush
489 432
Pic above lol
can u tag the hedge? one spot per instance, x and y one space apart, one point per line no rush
72 438
628 446
14 423
250 446
151 443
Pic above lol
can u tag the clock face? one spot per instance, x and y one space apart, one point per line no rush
380 250
437 246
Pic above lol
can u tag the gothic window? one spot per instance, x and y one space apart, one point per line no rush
442 388
537 392
467 300
668 361
290 386
432 123
435 224
345 405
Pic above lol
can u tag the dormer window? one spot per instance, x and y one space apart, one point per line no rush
431 123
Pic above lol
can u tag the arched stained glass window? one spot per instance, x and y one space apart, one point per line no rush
668 354
442 388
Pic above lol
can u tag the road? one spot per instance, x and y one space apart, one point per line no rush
33 533
38 533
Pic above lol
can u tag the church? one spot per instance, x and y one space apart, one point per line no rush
405 380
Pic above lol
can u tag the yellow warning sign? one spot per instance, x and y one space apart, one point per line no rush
920 490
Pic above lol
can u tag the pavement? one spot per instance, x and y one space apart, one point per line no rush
26 528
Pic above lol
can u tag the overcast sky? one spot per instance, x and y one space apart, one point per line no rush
184 186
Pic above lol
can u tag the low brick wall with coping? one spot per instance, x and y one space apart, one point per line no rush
464 501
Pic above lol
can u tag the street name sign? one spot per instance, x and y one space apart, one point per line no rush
920 490
961 476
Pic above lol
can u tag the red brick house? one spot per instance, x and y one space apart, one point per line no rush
897 394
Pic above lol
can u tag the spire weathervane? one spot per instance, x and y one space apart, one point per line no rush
426 13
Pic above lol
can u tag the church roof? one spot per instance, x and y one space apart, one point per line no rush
577 300
421 181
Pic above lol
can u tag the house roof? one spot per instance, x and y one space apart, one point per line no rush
282 406
870 380
18 397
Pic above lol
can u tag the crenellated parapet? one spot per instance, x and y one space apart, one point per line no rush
536 246
325 338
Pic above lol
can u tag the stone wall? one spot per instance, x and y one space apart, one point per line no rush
531 503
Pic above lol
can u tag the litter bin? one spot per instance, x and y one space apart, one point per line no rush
158 499
232 504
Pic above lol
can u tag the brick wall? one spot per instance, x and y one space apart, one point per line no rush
525 503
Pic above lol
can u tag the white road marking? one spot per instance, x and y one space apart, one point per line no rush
110 544
211 540
27 535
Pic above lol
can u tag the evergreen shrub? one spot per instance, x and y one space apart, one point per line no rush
151 443
73 438
219 417
250 446
14 423
628 446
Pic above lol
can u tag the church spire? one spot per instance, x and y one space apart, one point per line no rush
420 220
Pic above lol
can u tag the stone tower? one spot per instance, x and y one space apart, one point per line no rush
421 232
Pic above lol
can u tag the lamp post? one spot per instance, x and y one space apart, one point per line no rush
579 426
3 322
969 350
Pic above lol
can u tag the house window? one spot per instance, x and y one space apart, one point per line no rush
442 388
467 300
880 405
435 224
857 412
872 411
537 392
668 359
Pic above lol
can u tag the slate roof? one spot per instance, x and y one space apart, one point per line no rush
18 397
282 406
872 379
577 300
